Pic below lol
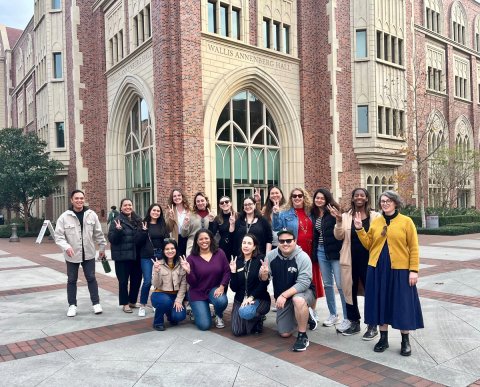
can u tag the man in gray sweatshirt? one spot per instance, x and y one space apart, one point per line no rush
291 270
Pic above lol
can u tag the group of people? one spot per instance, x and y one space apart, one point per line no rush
191 256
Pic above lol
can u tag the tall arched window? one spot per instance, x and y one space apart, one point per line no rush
139 156
247 148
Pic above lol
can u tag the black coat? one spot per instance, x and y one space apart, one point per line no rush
261 229
256 288
123 241
226 237
331 244
157 232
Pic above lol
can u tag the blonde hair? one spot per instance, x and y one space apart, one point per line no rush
307 200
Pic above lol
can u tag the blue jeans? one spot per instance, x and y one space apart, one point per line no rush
147 268
201 309
163 304
331 269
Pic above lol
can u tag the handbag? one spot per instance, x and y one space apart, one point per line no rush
106 265
157 252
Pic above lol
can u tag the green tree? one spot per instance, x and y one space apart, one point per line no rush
26 171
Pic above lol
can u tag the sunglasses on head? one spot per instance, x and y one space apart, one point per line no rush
285 241
294 196
226 201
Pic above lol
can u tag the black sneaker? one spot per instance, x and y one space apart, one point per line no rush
353 330
301 344
371 333
312 323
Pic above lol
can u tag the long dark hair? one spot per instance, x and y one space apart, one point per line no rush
168 241
255 252
160 221
368 207
256 212
134 218
213 243
328 200
268 206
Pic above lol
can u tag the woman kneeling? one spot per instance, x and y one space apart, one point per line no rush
170 282
252 301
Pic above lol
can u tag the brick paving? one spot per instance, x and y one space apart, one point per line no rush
336 365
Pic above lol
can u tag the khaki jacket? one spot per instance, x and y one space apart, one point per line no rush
171 280
187 230
343 231
68 233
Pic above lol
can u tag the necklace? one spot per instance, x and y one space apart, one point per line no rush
249 225
303 226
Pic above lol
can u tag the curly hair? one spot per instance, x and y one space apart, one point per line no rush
307 200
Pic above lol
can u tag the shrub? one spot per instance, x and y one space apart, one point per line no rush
451 229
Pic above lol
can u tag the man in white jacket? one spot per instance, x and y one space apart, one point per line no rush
77 231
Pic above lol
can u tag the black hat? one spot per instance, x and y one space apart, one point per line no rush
286 231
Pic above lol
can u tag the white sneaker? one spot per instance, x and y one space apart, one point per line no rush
331 320
72 311
343 326
97 309
313 314
141 312
219 322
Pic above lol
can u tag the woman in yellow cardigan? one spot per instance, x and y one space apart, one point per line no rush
391 296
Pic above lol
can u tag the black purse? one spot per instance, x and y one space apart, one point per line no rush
157 252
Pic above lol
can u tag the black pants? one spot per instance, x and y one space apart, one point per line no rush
359 275
125 271
242 327
88 267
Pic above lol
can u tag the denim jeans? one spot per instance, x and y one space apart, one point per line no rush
331 269
201 309
163 304
147 268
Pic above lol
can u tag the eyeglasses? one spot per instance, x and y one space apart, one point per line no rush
285 241
294 196
222 202
248 204
388 201
169 240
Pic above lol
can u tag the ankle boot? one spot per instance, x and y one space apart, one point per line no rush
382 344
406 350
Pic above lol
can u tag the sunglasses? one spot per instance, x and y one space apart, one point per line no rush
285 241
222 202
295 196
169 240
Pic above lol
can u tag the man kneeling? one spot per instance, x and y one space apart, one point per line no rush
291 270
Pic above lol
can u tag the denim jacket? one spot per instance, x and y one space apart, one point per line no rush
285 219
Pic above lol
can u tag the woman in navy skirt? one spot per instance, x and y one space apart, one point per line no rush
391 296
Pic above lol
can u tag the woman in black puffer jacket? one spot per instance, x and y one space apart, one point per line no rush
127 263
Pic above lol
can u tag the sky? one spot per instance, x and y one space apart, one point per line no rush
16 13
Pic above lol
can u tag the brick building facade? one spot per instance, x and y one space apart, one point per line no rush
225 95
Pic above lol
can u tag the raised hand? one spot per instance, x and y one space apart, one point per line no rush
144 226
184 263
171 214
232 218
357 221
211 216
156 265
334 212
276 207
186 220
257 196
264 269
233 264
118 224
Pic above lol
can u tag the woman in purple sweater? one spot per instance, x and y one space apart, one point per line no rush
208 274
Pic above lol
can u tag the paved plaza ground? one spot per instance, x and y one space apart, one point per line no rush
40 346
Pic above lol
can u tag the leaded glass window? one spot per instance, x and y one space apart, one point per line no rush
247 145
139 157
